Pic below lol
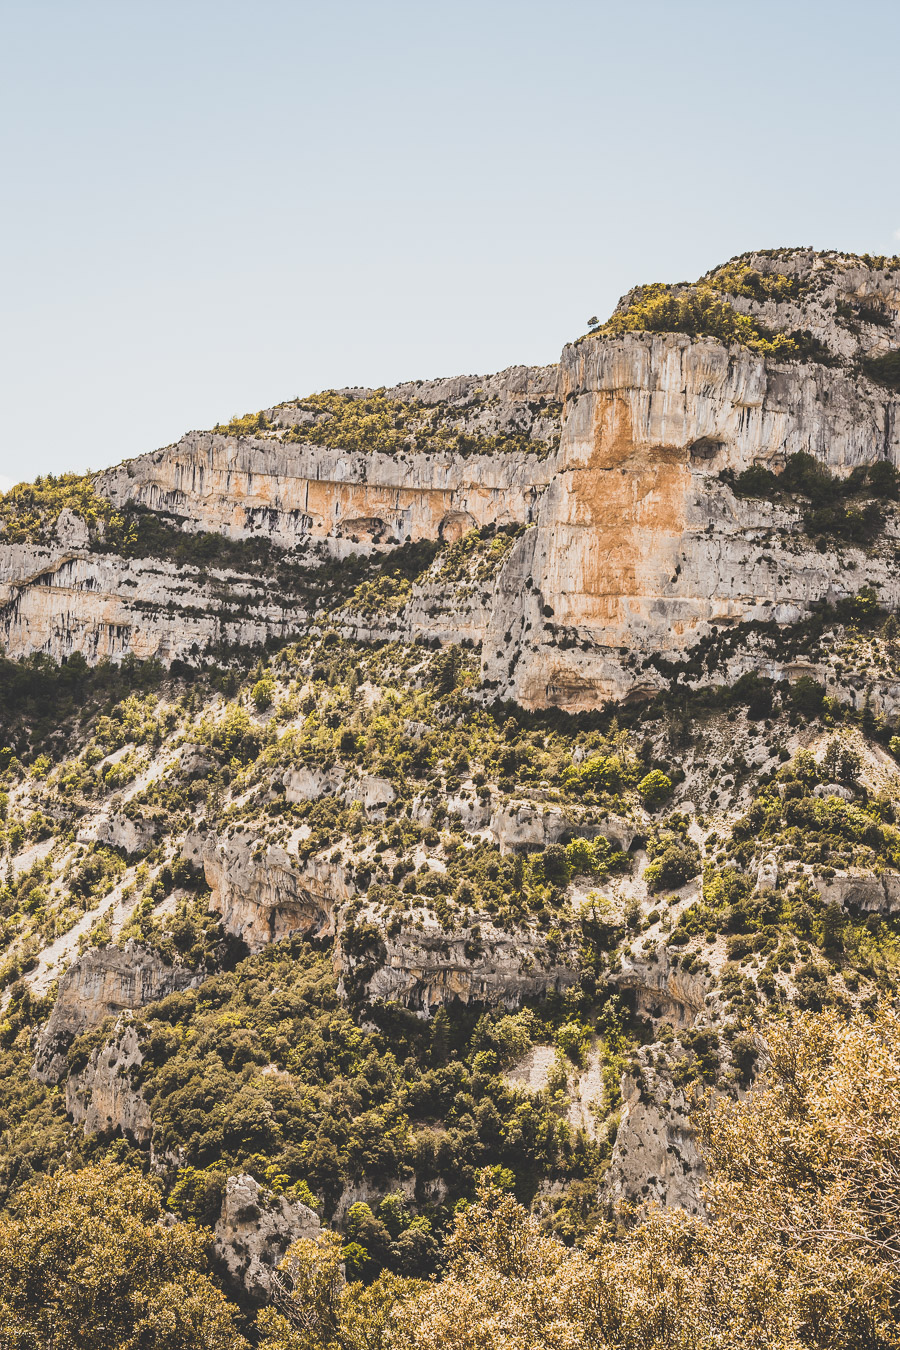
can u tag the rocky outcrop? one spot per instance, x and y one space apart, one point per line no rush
767 874
102 1097
655 1157
662 989
416 1190
254 1231
528 824
862 893
423 965
59 600
263 894
584 1085
306 784
639 548
120 831
350 501
104 982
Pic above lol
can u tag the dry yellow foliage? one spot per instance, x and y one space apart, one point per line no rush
802 1250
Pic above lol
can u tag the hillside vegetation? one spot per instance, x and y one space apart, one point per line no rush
476 923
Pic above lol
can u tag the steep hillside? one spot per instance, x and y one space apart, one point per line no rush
402 783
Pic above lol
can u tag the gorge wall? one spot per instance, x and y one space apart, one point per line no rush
634 547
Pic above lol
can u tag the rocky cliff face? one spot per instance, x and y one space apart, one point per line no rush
297 495
254 1231
638 549
60 600
655 1158
423 965
104 982
102 1097
264 894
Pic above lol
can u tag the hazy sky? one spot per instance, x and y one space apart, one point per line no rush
212 206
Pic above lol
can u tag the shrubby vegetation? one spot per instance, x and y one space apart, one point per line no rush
29 511
264 1068
674 857
738 278
345 1105
86 1259
884 369
803 1195
701 311
479 554
798 1254
843 507
378 424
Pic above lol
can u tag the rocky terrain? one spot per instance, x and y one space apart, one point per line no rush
400 783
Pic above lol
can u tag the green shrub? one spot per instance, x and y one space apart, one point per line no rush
262 694
674 866
376 423
832 512
654 788
740 279
574 1040
29 511
598 773
884 369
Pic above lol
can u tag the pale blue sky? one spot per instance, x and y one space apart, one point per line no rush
209 206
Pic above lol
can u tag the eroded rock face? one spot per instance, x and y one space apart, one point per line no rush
102 1096
296 493
528 824
307 784
638 549
120 831
263 896
661 989
862 894
425 967
104 982
59 599
304 784
254 1231
655 1156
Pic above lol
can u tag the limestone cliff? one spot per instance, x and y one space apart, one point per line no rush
262 895
655 1157
660 989
59 600
104 982
102 1098
422 964
254 1231
638 549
